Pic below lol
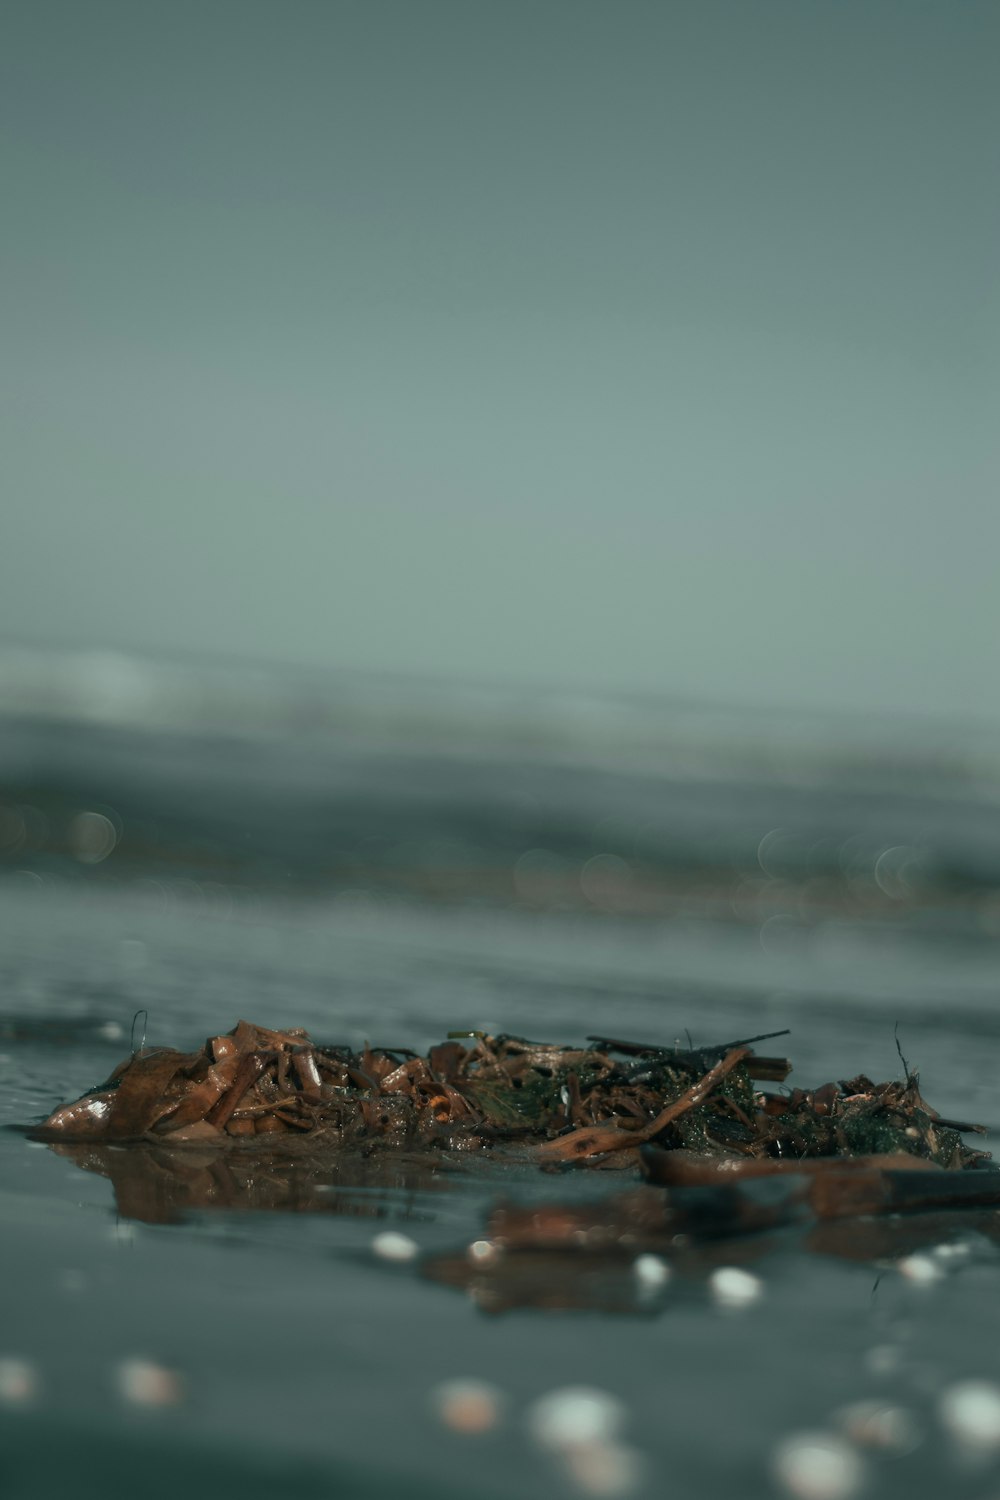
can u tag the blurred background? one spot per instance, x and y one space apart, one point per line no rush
645 349
499 527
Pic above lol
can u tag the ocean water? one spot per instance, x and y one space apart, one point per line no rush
390 862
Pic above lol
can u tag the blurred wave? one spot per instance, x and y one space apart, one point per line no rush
113 766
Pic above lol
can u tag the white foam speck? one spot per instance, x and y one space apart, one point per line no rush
920 1270
482 1252
575 1415
732 1287
971 1412
391 1245
951 1251
818 1466
651 1272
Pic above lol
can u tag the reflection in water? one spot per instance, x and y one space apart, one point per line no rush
559 1256
158 1184
607 1280
554 1253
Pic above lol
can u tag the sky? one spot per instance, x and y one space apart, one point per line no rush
649 346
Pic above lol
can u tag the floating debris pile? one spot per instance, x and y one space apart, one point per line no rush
601 1104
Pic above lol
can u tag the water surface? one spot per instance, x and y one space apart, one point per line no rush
392 891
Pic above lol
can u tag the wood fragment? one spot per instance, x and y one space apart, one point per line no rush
246 1075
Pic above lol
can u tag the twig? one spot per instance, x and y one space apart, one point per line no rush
142 1045
910 1077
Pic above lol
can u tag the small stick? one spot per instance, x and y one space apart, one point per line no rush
225 1107
961 1125
305 1066
910 1077
610 1043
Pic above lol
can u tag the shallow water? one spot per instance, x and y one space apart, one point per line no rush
301 1358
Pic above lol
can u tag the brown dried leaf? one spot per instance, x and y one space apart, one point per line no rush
137 1102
